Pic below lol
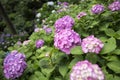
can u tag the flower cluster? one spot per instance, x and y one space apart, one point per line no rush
81 14
47 29
91 44
26 42
50 3
97 9
115 6
66 39
38 15
39 43
63 4
37 29
65 22
14 65
84 70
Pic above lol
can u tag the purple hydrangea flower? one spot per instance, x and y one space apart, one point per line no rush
81 14
66 39
65 22
39 43
115 6
48 30
97 9
59 3
91 44
84 70
65 3
14 65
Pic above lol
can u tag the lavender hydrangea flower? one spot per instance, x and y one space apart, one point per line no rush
18 43
97 9
84 70
115 6
66 39
37 29
48 30
14 65
65 22
39 43
91 44
81 14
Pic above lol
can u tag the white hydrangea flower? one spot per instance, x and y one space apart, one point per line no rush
38 15
50 3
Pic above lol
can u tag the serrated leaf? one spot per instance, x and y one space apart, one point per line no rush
77 50
109 46
114 66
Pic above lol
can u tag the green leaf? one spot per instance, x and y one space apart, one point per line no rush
117 34
103 39
117 52
112 58
47 71
109 46
110 32
109 77
40 76
33 77
28 54
57 78
77 50
92 57
75 60
116 78
63 69
114 66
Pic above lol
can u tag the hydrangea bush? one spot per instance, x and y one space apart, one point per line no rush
87 50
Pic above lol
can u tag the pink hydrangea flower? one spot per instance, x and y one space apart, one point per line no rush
84 70
65 22
66 39
97 9
26 42
91 44
81 14
115 6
